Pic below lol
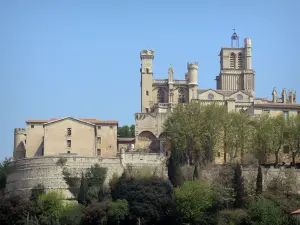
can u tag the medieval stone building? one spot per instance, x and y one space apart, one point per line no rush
235 88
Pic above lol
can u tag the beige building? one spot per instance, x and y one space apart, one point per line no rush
78 137
235 88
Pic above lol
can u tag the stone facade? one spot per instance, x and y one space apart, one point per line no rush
235 88
26 173
80 137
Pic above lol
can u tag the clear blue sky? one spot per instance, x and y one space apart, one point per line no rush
81 58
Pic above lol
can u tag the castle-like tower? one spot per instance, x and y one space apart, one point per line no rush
236 71
163 93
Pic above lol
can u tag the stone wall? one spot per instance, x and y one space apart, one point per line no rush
27 173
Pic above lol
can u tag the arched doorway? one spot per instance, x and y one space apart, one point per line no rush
146 140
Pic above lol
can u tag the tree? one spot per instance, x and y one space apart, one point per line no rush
193 199
278 128
194 130
149 199
259 181
239 187
174 170
196 175
82 191
293 136
3 172
126 131
117 211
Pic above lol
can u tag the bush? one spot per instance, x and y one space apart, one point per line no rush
193 199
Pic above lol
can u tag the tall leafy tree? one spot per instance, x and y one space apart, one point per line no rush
82 191
293 136
276 133
259 181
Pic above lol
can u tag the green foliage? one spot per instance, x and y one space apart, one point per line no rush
196 175
117 211
82 191
259 181
61 161
3 173
72 214
36 191
174 172
51 204
149 199
232 217
126 131
95 213
239 188
293 135
72 182
193 199
264 212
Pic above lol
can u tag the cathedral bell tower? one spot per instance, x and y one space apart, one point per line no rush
236 71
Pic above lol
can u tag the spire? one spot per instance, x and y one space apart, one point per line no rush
170 73
235 40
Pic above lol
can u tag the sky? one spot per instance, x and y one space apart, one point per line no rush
63 58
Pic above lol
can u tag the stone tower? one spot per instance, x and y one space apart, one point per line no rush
236 71
147 57
192 80
19 143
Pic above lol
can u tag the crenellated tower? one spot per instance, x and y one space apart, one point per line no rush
236 71
192 80
19 143
147 57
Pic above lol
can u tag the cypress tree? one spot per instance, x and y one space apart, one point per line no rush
81 195
174 172
239 188
196 175
259 180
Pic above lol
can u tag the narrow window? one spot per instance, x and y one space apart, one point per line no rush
147 70
99 127
69 143
32 126
240 61
69 131
181 96
99 140
160 96
98 152
111 127
232 60
147 93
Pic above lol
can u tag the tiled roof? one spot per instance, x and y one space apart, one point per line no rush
89 120
223 92
126 139
277 106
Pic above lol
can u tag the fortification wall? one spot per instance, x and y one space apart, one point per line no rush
24 174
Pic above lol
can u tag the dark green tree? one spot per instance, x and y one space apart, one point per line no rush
196 175
132 130
36 191
238 182
259 181
174 172
82 191
3 173
150 199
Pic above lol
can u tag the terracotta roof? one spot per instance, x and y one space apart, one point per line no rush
126 139
89 120
296 211
277 106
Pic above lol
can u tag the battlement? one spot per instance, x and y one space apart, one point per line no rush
147 54
20 131
192 66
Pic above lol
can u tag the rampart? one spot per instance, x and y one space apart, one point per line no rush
26 173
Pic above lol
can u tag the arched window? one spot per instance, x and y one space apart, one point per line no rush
232 60
160 96
181 96
240 61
